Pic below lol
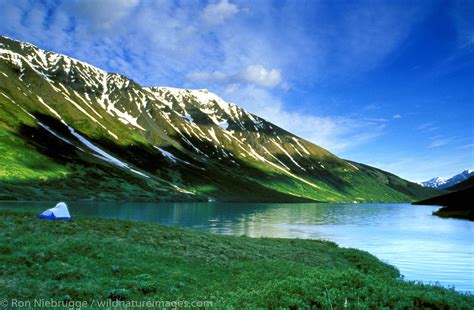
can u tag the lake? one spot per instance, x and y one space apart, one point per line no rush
422 246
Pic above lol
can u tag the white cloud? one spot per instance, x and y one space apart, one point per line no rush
427 166
428 127
468 146
217 13
333 133
462 18
208 77
397 116
439 142
101 14
259 75
253 74
160 41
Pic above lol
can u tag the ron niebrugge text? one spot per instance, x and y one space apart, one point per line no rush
107 303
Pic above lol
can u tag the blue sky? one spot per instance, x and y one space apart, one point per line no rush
386 83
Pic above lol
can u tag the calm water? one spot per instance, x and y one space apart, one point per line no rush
423 247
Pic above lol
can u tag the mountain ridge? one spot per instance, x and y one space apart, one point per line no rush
159 143
445 183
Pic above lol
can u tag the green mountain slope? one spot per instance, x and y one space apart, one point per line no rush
68 129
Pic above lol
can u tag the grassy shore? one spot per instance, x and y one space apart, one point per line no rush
90 258
455 213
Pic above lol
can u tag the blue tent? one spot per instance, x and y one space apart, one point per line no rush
59 212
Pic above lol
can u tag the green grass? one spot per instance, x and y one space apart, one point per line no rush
90 258
20 161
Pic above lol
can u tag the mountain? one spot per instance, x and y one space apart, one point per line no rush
458 203
434 182
462 185
441 183
70 130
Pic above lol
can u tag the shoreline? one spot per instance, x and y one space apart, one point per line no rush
456 213
126 260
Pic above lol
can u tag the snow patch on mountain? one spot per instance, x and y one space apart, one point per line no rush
301 146
49 108
166 154
218 110
287 154
99 153
126 118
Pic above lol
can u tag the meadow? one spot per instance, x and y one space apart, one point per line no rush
102 259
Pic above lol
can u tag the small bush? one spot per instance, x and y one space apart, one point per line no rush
119 294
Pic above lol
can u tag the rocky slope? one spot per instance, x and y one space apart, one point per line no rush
68 129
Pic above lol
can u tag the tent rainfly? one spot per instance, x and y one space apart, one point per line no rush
59 212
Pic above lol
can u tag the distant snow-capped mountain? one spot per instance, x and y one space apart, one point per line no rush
441 183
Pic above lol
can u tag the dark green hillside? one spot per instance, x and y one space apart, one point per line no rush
458 203
68 129
462 185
